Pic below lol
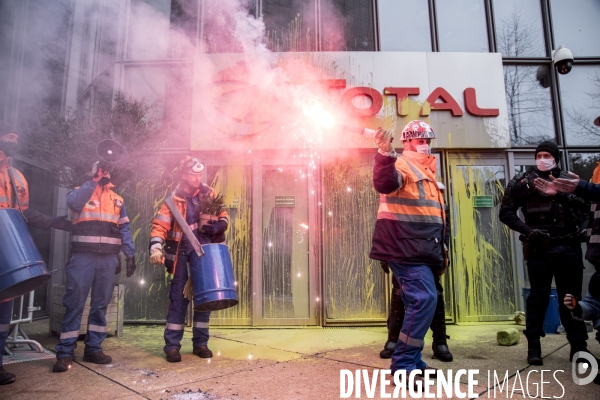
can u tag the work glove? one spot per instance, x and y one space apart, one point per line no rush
130 262
535 236
383 140
157 257
214 227
384 266
61 223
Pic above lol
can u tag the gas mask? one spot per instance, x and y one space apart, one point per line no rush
423 149
9 148
546 164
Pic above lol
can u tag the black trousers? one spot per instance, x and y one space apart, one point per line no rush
565 264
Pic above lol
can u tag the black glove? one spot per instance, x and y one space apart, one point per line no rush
581 236
535 236
130 266
104 181
61 223
384 266
214 227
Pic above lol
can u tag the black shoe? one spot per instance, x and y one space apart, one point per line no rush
6 377
581 359
433 370
417 378
576 346
441 351
63 364
203 352
173 355
97 358
534 352
388 350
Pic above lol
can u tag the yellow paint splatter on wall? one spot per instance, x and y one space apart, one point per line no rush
234 183
481 262
354 284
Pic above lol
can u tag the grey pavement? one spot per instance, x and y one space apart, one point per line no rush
295 363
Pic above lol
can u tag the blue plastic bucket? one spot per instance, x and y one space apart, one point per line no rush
22 268
552 318
213 280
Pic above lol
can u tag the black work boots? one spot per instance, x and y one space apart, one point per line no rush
441 351
173 355
97 358
388 349
203 352
534 352
438 328
5 376
63 364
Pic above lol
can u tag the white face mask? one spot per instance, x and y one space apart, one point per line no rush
423 148
545 164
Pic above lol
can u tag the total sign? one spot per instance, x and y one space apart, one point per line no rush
260 101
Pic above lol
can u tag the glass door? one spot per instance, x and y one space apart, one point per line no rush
482 265
285 287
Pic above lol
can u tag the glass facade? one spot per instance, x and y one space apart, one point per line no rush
575 24
580 95
454 33
396 33
529 106
518 27
147 48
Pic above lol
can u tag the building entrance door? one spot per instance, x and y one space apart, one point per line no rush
481 261
285 285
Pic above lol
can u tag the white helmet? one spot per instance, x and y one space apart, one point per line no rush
417 129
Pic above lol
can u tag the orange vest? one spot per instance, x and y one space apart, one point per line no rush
419 199
7 193
411 220
96 227
165 230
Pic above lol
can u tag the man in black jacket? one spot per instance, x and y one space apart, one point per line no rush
552 234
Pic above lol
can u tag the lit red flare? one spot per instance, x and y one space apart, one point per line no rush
318 114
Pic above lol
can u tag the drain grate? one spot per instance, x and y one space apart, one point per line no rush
26 354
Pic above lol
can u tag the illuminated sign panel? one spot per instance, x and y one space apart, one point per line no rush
243 103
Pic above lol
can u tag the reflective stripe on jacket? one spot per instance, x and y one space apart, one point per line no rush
96 225
166 231
411 218
7 197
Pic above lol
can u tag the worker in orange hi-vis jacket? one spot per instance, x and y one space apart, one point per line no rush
170 246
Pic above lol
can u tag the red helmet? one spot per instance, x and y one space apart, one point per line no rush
417 129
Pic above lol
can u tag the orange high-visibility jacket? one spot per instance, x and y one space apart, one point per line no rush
96 226
166 231
7 193
410 227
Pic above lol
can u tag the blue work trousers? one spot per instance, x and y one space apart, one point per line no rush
5 317
87 271
177 309
420 298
